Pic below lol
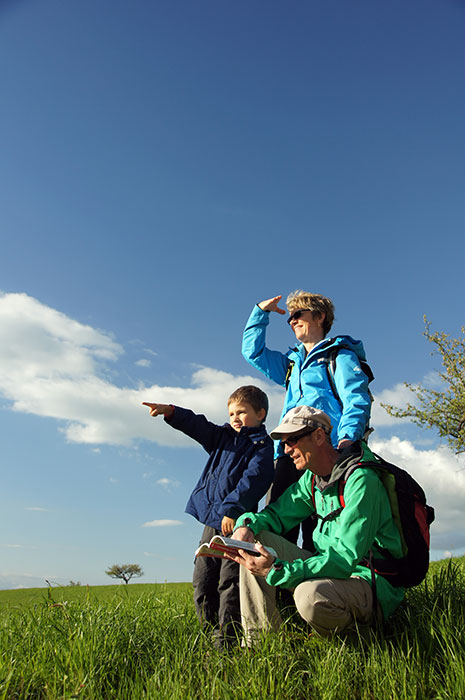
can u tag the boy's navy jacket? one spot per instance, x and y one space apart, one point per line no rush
238 472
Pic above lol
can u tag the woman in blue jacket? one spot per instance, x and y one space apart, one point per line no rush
306 373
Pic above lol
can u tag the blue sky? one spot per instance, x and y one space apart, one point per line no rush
165 165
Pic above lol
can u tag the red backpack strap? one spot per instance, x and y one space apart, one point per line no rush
341 486
313 490
342 483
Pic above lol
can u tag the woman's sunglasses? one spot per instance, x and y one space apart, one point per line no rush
297 314
292 441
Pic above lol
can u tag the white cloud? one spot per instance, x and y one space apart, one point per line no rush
442 476
51 365
143 363
167 483
38 508
399 396
162 523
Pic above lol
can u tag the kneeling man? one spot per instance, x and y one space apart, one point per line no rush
334 587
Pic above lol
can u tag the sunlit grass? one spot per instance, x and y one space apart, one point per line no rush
143 641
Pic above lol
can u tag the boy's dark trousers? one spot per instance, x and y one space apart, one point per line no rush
216 594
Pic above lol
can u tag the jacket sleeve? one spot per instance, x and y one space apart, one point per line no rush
253 484
196 427
352 386
293 506
358 525
272 363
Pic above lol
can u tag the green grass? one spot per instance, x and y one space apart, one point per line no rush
142 641
28 596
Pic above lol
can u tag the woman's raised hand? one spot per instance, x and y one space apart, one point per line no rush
272 304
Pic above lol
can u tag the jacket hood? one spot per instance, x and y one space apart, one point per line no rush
351 456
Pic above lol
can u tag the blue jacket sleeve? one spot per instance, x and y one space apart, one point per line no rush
352 386
272 363
254 483
196 427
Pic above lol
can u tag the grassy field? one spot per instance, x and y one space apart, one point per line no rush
142 641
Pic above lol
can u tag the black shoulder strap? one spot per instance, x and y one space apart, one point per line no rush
290 367
331 368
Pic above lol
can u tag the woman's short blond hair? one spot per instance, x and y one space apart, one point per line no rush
316 303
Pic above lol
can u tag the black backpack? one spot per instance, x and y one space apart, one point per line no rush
411 515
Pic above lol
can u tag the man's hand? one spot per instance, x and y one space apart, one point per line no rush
244 534
227 526
272 304
258 566
159 409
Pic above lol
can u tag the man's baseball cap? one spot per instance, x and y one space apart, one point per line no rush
300 418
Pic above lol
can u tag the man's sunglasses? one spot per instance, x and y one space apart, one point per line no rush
297 314
292 441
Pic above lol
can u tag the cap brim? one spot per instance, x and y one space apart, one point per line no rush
287 429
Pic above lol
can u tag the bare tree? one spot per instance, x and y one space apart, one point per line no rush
125 571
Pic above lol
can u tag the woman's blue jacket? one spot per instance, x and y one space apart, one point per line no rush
308 382
238 472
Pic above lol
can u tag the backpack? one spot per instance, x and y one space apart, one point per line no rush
411 515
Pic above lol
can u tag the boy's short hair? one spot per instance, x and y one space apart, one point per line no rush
316 303
252 395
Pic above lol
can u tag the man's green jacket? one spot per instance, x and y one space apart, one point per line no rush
343 542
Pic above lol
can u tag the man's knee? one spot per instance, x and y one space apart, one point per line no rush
331 606
314 604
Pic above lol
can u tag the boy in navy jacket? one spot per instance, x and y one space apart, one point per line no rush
238 473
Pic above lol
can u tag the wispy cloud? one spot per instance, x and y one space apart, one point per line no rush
167 483
39 509
162 523
51 365
143 363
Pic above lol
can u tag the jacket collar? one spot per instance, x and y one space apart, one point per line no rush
346 340
351 456
257 433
